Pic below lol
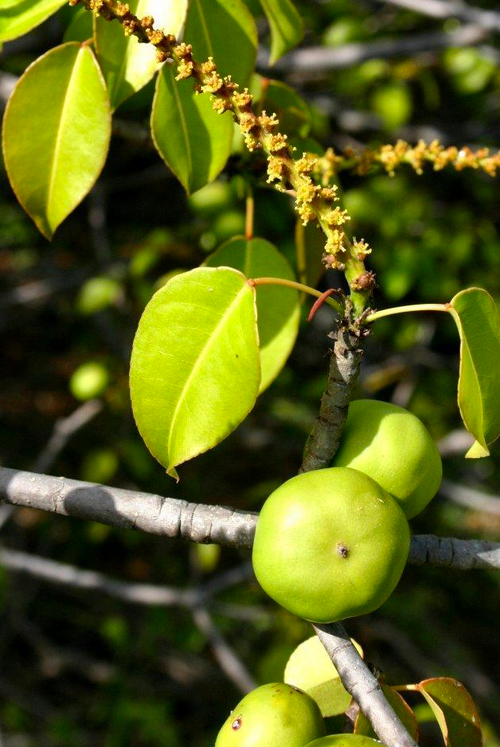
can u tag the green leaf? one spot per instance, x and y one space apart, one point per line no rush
277 98
80 27
287 28
278 308
402 710
311 669
193 140
226 31
455 711
310 247
56 133
478 320
195 370
126 64
17 17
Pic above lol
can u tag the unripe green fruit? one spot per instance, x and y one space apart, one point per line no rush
89 380
344 740
275 715
393 447
330 544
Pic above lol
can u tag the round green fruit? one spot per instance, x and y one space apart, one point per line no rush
89 380
330 544
344 740
393 447
275 715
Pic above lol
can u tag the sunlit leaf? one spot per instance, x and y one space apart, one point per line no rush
287 28
193 140
402 710
311 669
56 133
17 17
195 369
80 27
455 711
224 30
126 64
478 320
278 308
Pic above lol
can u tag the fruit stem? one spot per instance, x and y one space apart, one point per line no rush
250 210
297 286
405 688
408 309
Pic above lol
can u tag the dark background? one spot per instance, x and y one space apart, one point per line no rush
82 668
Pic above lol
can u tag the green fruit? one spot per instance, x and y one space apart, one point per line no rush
344 740
274 715
89 380
330 544
393 447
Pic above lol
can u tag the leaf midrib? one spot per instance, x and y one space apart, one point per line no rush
201 357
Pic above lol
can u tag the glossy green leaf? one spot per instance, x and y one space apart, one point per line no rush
56 133
193 140
402 710
17 17
310 668
278 308
226 31
310 247
80 27
287 28
478 320
195 369
126 64
455 711
277 98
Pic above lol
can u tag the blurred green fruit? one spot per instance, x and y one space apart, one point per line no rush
274 715
330 544
344 740
393 447
89 380
98 293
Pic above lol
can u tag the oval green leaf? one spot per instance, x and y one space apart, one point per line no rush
226 31
126 64
193 140
310 668
195 370
287 28
400 707
478 320
277 98
20 16
455 711
278 308
56 133
80 27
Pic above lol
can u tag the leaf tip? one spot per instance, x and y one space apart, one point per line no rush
477 451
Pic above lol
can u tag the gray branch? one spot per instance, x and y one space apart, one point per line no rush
171 517
363 685
486 19
324 439
321 59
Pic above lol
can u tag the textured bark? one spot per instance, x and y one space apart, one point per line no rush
343 373
363 686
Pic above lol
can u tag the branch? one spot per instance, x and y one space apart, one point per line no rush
321 59
363 685
171 517
486 19
324 439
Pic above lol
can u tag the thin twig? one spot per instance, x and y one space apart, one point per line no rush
444 9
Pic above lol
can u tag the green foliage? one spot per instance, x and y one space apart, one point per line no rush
195 368
17 17
454 710
278 308
287 28
54 156
478 321
127 65
194 141
224 30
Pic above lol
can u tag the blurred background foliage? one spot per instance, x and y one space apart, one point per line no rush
79 668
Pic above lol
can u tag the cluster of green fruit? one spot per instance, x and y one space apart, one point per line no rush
333 543
279 715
